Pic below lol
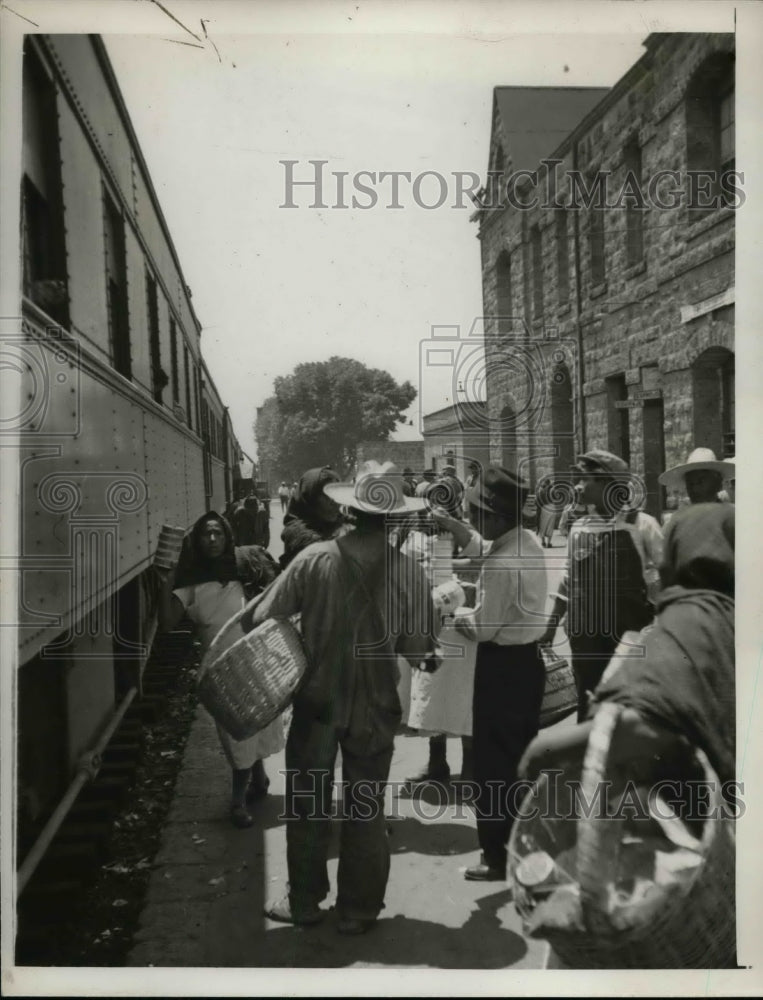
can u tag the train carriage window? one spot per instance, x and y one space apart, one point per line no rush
187 372
42 220
116 286
158 376
174 361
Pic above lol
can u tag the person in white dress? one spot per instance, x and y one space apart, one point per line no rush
212 581
440 703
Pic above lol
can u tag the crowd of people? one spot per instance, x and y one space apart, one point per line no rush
357 567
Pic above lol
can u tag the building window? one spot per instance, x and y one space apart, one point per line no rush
42 221
496 179
503 292
618 420
116 286
710 140
536 242
596 245
562 255
158 375
174 361
634 215
187 373
527 282
713 399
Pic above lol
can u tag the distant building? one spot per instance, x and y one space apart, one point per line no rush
455 436
610 324
405 454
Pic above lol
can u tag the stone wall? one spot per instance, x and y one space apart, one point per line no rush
636 323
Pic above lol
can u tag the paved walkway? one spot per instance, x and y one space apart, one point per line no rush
211 881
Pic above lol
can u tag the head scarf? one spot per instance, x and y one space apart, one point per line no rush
303 505
251 565
303 522
698 549
686 681
194 567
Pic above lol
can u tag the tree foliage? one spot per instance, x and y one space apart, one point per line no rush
322 411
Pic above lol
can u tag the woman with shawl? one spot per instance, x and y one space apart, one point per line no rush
212 581
684 683
311 516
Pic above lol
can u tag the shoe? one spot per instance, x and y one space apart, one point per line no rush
441 775
283 913
240 817
351 925
485 873
257 790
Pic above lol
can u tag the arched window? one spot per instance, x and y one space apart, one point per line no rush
710 141
713 398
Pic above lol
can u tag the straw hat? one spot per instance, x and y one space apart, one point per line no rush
378 489
499 491
700 459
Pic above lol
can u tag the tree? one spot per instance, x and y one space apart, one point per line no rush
323 410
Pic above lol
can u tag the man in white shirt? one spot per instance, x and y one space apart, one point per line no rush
508 620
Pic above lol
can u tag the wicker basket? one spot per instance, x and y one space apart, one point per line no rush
693 925
251 681
560 698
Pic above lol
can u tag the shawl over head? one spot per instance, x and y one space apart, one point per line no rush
303 522
252 565
685 681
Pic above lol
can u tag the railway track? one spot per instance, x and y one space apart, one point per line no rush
82 903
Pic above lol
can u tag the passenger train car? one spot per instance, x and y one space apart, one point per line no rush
121 428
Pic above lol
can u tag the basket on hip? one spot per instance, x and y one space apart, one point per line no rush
247 685
605 899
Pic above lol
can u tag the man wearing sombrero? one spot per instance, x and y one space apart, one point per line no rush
361 604
509 676
701 476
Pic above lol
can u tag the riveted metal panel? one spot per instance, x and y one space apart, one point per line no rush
85 495
218 485
75 56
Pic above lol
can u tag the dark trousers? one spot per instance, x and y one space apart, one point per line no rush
508 692
590 656
364 855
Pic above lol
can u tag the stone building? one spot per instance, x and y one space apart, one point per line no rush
449 438
405 454
607 240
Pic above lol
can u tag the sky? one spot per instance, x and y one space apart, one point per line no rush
275 286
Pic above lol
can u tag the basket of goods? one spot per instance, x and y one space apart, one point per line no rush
168 547
614 877
448 596
560 697
247 680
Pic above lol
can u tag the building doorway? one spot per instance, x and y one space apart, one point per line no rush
509 439
654 455
562 421
714 402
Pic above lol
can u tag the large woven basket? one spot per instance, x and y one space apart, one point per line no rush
560 698
694 927
251 681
